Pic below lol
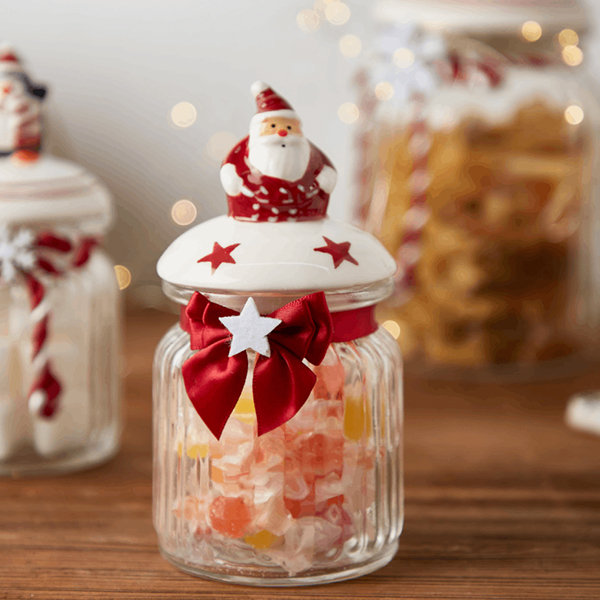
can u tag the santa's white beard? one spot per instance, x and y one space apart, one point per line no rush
282 157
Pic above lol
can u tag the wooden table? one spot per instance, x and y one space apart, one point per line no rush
502 501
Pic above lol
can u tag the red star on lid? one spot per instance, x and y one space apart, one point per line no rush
219 255
339 252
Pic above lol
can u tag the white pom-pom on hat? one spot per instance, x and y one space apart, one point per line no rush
257 87
269 104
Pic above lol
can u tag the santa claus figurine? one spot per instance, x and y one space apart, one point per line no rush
20 106
275 173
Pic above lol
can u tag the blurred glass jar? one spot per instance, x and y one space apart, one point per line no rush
478 174
59 304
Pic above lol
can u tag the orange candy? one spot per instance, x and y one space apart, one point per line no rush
230 516
262 540
216 474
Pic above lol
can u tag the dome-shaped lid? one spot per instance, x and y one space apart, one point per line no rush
277 236
34 186
492 16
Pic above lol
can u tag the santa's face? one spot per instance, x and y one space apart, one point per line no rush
278 148
10 88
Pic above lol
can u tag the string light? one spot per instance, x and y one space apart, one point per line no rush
568 37
384 90
184 114
531 31
219 144
184 212
123 275
337 13
308 20
350 45
574 114
403 58
572 55
392 327
348 113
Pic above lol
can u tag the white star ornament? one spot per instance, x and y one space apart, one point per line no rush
250 330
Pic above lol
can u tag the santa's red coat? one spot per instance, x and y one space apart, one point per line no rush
265 198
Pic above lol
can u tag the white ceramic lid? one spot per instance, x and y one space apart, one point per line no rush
275 257
277 238
492 16
50 189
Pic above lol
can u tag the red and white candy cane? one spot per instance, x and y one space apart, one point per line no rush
417 214
46 388
455 69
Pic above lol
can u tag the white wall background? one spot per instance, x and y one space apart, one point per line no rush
117 67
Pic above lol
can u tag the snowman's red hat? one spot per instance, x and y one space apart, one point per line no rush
9 61
269 104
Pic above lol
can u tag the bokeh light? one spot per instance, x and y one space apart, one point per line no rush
337 13
348 112
184 212
404 58
572 55
574 114
308 20
350 45
184 114
219 144
531 31
384 90
568 37
392 327
123 275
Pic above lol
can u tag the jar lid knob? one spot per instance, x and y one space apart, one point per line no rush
275 173
20 108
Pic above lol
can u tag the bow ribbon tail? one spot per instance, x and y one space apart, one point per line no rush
281 385
35 289
214 382
53 242
83 252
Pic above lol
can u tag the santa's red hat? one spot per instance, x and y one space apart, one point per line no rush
9 61
269 104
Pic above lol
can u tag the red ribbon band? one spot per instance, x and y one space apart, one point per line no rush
281 382
348 325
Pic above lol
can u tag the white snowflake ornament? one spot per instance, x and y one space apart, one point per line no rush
16 253
417 74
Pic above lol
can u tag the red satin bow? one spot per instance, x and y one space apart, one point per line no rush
281 383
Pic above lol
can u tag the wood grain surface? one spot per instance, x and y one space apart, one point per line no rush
502 501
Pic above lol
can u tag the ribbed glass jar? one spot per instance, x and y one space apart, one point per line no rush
484 187
82 347
318 499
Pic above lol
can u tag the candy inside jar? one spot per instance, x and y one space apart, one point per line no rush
303 496
277 399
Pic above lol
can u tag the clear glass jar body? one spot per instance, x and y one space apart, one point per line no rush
318 499
502 250
82 346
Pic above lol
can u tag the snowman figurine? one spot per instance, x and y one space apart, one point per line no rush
20 106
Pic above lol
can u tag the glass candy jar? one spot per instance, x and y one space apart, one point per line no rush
59 405
481 183
277 438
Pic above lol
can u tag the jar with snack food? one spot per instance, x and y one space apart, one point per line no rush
481 182
277 398
59 304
